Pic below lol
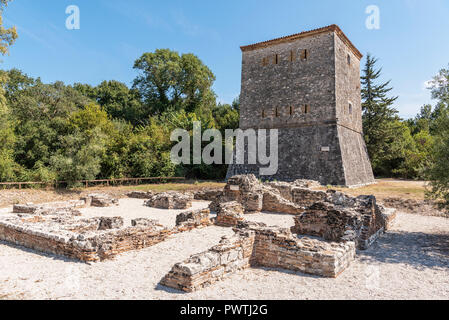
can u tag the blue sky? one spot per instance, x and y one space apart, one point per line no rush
412 43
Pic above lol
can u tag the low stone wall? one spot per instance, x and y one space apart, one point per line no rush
86 240
93 239
50 208
203 269
286 188
258 245
306 197
279 248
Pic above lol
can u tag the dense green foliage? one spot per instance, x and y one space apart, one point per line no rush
72 133
69 133
438 121
396 147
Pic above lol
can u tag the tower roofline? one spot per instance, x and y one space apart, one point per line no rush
331 28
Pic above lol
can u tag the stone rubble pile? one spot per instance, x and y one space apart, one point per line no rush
194 219
331 215
208 194
255 196
170 200
343 218
140 194
101 200
229 214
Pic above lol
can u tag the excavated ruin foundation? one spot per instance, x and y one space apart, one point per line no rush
328 228
60 229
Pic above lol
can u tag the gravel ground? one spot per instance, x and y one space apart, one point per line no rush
409 262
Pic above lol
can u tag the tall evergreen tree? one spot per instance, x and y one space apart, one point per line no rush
380 119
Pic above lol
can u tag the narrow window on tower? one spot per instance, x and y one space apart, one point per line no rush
292 56
349 59
291 110
307 109
276 59
264 62
304 54
350 108
277 112
263 113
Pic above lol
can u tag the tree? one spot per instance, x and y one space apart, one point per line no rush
7 164
226 117
40 113
438 172
168 81
81 151
117 99
379 118
7 36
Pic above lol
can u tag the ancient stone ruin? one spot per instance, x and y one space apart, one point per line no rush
260 246
339 222
328 227
61 230
170 200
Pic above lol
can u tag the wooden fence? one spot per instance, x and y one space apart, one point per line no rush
86 183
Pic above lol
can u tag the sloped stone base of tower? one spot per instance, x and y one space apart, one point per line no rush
330 154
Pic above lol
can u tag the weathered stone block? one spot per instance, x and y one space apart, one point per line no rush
194 218
170 200
229 214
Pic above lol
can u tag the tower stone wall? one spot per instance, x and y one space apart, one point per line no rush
308 87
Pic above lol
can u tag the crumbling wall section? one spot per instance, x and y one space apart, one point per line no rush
229 214
203 269
258 245
170 200
342 218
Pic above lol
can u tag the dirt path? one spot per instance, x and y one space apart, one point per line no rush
410 262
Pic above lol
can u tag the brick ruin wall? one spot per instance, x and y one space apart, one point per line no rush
343 223
363 221
203 269
260 246
329 214
94 239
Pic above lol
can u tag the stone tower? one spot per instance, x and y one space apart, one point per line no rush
307 86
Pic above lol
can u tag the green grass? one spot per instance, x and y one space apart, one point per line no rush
185 186
391 189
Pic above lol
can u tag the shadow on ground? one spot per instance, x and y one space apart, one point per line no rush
42 254
417 249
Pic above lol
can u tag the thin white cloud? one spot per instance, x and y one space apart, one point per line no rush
29 34
192 29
